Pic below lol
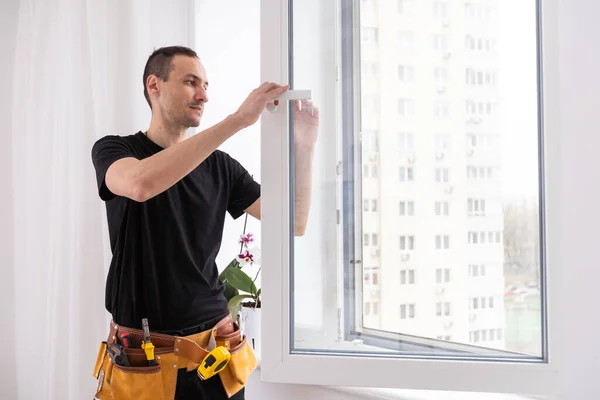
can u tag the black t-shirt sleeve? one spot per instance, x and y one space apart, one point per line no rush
244 189
104 153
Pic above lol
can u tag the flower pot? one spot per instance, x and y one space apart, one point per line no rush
250 320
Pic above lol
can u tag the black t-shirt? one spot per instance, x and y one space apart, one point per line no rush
163 266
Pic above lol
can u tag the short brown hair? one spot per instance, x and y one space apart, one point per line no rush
159 64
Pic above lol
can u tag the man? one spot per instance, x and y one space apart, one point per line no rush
167 195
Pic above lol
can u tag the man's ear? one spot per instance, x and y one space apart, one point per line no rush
152 85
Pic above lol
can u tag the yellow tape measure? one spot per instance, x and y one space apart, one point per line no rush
214 362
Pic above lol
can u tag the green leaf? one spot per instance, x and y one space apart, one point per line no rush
235 302
230 291
240 280
234 264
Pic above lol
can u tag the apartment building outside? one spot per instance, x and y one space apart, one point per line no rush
433 221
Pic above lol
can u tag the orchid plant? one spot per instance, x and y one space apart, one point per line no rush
240 287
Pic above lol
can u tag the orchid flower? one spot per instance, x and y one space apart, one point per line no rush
246 239
249 257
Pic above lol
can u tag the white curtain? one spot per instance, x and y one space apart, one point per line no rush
77 76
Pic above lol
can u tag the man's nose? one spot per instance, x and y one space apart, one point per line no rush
201 95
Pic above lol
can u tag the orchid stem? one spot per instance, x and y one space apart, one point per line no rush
244 231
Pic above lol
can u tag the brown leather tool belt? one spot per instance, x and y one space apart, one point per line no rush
224 331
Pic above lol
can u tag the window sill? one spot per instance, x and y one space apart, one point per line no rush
403 394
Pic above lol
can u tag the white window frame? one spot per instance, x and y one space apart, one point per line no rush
280 365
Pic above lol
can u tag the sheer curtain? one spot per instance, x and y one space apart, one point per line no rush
77 76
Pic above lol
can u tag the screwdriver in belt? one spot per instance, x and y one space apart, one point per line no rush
147 343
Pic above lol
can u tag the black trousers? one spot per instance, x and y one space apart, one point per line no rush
189 386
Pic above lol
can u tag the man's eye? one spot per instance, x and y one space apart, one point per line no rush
190 82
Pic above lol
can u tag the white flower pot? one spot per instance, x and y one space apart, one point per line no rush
250 323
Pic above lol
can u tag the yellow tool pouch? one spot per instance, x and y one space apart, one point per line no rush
139 381
238 370
143 382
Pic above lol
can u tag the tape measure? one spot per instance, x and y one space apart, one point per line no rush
214 362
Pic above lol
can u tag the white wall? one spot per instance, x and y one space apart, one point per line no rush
8 32
227 43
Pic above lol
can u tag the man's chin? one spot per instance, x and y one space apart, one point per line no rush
193 122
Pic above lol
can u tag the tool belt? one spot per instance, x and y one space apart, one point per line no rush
140 381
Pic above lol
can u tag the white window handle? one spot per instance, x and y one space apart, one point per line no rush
291 95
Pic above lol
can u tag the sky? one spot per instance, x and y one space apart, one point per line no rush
518 84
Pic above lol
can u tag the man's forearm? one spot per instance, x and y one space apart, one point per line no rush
158 173
303 166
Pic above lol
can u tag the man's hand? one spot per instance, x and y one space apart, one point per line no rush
306 125
255 103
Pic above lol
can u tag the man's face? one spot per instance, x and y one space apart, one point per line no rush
182 97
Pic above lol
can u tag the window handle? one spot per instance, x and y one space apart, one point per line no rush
290 95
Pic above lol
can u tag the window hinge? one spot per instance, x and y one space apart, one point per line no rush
338 168
337 73
338 216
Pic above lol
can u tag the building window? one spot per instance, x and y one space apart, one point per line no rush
441 142
481 173
374 205
366 239
407 208
476 207
374 239
443 309
375 280
476 270
369 70
483 78
481 141
440 9
407 311
404 7
406 107
441 109
367 308
442 275
440 43
480 108
406 41
407 141
406 73
407 277
479 10
442 242
375 308
370 35
480 45
370 141
442 208
407 174
442 175
440 75
407 242
484 237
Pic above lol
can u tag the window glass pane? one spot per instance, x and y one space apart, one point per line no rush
431 222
